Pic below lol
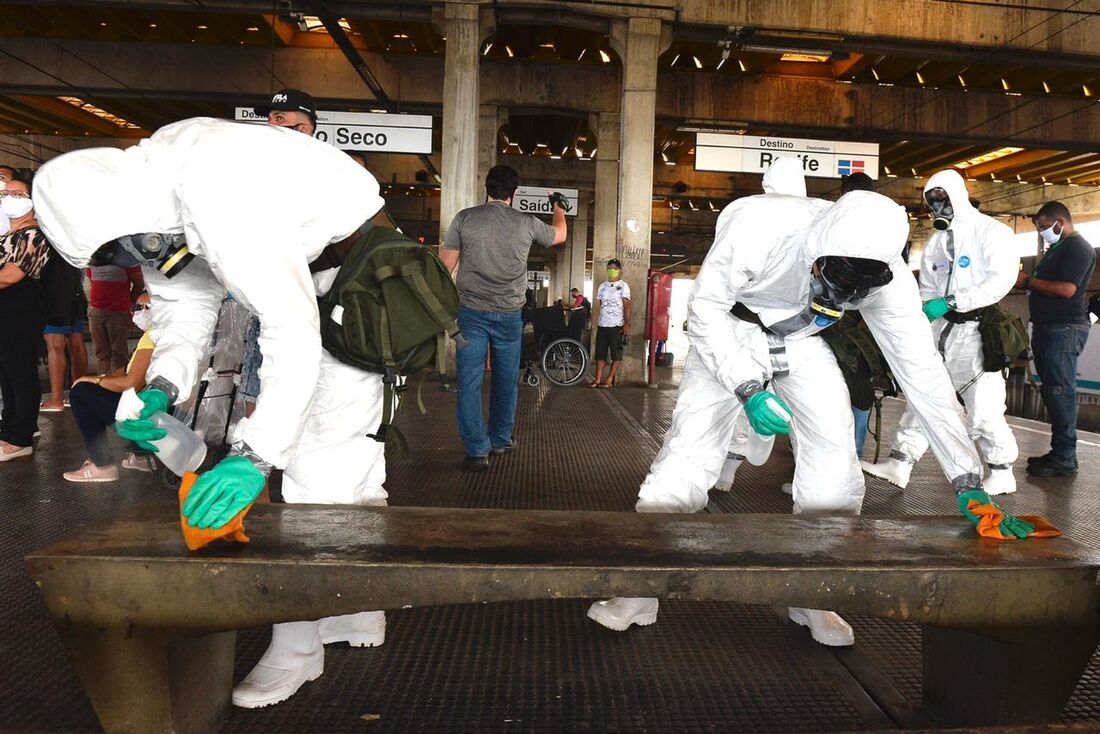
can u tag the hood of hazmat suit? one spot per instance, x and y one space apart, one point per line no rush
87 198
974 262
785 176
257 204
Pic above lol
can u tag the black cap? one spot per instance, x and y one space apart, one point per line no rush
857 181
289 100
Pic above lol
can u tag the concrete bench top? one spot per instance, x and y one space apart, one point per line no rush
150 627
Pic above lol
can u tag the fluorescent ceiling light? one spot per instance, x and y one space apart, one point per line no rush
987 157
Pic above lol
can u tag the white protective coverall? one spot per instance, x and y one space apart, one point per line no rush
975 263
257 204
785 177
758 261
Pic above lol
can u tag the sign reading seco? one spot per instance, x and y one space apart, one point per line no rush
366 131
753 154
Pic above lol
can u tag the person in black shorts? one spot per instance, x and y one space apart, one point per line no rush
613 324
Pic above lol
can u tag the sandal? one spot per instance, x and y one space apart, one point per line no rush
594 383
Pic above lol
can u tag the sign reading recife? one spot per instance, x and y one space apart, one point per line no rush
532 199
367 131
753 154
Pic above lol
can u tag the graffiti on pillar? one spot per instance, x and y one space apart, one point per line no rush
635 255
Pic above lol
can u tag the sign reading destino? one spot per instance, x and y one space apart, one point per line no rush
532 199
753 154
368 131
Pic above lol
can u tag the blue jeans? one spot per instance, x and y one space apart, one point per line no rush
1056 348
501 332
860 417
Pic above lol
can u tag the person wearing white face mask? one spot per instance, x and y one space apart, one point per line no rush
24 252
1060 328
94 400
969 264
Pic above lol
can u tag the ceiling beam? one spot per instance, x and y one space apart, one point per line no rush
1010 161
284 31
81 119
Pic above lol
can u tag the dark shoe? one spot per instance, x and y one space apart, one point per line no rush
1045 457
476 463
505 449
1048 466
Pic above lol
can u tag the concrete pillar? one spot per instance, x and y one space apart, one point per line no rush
606 215
578 245
488 123
641 42
464 28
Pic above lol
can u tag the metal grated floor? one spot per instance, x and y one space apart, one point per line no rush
533 666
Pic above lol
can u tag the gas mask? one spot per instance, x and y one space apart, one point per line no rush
942 211
837 284
166 252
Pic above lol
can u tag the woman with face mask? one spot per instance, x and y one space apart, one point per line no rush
23 253
94 400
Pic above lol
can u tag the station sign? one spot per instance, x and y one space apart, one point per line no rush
371 132
532 199
753 154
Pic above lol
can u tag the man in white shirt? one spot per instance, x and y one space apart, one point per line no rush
612 327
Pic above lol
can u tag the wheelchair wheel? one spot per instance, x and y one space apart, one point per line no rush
564 362
532 379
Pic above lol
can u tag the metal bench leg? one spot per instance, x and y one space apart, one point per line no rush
1018 676
144 681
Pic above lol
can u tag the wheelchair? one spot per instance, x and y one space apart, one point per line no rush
557 346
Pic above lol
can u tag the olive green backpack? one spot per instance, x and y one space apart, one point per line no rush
390 310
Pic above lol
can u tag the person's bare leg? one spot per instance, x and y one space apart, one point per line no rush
79 355
55 360
614 371
599 371
249 408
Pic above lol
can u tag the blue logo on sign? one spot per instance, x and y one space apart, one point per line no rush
964 261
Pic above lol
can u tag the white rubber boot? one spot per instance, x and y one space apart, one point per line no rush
828 628
294 657
729 472
621 612
895 471
365 629
1001 480
787 488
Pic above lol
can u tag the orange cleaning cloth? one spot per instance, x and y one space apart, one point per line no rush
989 526
197 537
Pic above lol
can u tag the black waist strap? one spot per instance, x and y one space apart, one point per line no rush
743 312
960 317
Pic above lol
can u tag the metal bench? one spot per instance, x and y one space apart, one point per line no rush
1008 626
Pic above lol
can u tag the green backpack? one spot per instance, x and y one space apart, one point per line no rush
390 310
1004 338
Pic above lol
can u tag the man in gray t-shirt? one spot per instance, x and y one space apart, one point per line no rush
492 241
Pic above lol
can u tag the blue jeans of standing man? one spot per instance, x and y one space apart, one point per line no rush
1056 348
502 333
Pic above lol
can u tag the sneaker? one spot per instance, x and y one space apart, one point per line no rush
621 612
89 472
138 462
895 471
51 407
294 657
505 449
11 452
1000 480
365 629
828 628
1045 457
1051 467
476 463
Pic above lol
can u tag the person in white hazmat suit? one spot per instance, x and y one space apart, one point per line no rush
969 263
209 205
784 176
782 269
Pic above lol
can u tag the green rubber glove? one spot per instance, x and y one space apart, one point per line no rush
219 494
142 430
1010 525
936 308
768 414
